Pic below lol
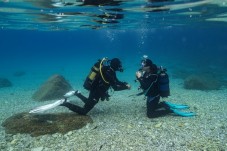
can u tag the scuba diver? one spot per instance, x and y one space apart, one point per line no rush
100 79
154 82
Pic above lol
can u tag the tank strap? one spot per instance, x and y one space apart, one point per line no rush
146 91
100 68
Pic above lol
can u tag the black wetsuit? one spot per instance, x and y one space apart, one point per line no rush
98 91
149 83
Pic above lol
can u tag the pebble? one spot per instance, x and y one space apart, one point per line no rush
37 149
158 125
117 128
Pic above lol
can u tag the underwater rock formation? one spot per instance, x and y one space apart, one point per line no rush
19 73
5 83
200 82
54 88
41 124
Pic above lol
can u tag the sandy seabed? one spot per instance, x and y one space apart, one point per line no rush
121 123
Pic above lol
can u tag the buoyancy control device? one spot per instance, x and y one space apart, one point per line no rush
163 82
94 74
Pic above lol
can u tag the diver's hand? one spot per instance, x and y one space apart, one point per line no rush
69 94
138 74
128 86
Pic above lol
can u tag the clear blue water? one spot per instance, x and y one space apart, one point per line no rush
57 37
45 37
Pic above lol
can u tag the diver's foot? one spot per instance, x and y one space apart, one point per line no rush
62 102
77 92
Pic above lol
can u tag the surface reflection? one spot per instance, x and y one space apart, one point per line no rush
95 14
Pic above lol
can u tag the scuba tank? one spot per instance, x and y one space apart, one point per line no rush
163 80
93 74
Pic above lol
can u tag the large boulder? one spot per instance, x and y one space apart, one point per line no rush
54 88
36 125
5 83
201 82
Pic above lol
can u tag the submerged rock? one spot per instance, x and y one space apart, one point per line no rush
19 73
41 124
200 82
54 88
5 83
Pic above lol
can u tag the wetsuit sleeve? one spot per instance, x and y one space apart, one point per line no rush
146 81
114 82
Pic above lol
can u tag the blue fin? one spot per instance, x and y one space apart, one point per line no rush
185 114
176 106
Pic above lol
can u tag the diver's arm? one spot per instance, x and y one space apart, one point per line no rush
120 86
144 81
115 83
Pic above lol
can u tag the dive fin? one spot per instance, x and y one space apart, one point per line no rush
185 114
176 106
47 107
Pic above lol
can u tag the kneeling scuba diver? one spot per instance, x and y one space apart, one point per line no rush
154 82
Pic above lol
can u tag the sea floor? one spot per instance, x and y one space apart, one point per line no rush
121 123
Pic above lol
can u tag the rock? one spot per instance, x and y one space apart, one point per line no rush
200 82
129 126
54 88
158 125
5 83
37 149
69 133
19 73
37 125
